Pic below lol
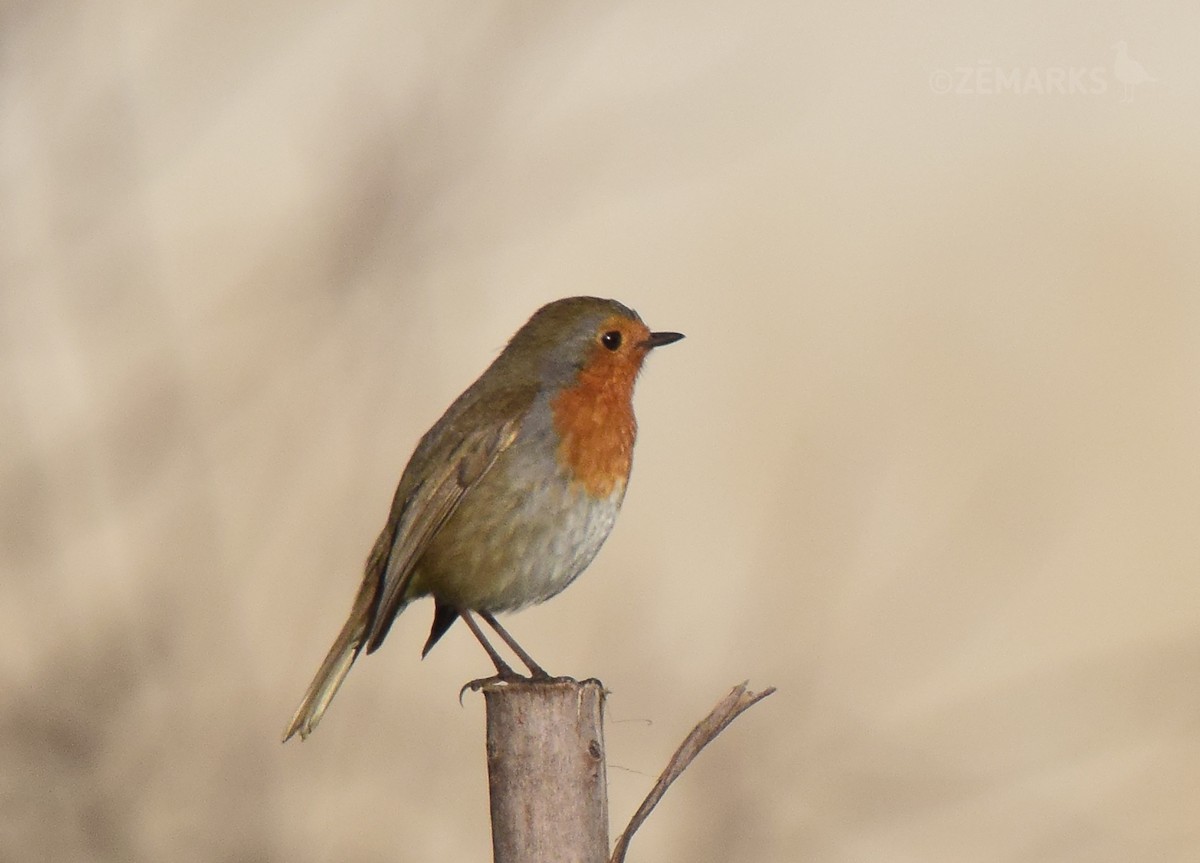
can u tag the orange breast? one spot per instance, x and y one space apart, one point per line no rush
595 422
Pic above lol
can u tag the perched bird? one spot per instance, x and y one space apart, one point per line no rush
511 493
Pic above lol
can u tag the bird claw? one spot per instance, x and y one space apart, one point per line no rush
508 676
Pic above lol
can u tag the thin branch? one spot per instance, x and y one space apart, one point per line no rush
728 709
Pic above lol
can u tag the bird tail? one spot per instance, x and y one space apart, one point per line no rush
346 647
329 677
333 670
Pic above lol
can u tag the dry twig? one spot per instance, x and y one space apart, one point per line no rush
728 709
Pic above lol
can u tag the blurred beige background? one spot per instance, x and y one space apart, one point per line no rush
927 461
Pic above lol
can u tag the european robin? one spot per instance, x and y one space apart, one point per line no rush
510 495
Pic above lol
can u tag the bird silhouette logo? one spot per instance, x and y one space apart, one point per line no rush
1129 72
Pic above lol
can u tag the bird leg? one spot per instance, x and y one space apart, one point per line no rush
536 671
503 669
504 672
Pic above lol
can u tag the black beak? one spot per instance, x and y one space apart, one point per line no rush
657 340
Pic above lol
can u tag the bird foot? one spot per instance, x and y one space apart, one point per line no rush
507 676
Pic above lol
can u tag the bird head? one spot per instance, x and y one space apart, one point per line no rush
567 337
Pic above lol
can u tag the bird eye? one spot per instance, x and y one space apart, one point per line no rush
611 340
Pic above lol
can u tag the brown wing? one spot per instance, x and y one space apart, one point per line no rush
425 510
418 512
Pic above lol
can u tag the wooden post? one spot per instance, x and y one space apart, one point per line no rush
546 779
